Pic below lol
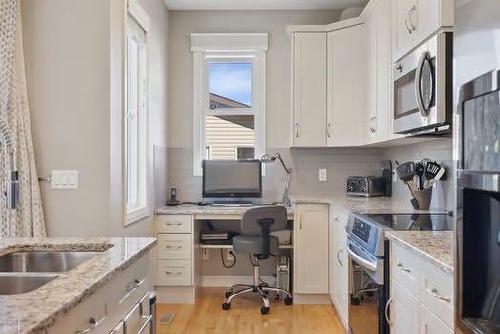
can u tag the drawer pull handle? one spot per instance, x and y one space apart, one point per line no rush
93 325
174 224
341 250
176 247
172 273
131 287
401 267
434 292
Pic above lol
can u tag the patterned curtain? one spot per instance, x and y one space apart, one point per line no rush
16 144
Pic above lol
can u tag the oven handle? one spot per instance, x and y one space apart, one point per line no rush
361 261
386 312
418 86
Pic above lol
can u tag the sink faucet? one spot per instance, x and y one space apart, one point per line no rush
12 178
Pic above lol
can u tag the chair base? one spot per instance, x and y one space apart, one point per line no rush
261 289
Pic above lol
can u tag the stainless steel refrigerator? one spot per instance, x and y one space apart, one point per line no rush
477 149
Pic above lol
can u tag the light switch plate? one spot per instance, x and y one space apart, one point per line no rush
322 175
64 179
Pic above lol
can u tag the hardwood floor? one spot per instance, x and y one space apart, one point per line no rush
244 317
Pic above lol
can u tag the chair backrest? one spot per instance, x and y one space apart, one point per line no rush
250 222
262 221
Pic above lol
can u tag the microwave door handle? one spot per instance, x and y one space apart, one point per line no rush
418 84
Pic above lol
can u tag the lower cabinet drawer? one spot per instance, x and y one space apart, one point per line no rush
437 293
405 268
174 272
173 223
174 246
430 324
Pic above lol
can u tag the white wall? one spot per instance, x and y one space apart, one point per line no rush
73 62
183 23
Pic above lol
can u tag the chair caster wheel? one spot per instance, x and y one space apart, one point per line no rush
228 294
264 310
288 301
226 306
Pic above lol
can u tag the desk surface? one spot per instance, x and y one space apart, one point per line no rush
208 210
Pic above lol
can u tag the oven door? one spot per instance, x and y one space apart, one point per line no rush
367 298
421 92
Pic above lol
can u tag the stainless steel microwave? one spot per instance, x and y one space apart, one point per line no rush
423 88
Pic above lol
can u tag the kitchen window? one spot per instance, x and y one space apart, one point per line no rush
136 115
229 97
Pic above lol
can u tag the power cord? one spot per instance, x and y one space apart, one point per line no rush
224 262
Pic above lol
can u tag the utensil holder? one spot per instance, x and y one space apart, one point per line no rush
423 198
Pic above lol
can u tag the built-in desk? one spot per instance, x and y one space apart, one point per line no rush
180 252
211 212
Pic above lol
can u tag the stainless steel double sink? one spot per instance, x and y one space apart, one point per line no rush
22 272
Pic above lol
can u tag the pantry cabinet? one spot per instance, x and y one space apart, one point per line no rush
416 20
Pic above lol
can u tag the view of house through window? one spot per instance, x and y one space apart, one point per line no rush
230 118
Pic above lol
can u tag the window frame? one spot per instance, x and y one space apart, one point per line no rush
227 48
143 210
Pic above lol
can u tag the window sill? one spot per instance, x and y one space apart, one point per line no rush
134 215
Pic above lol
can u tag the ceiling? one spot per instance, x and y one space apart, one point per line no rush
261 4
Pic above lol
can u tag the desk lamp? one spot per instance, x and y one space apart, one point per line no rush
266 158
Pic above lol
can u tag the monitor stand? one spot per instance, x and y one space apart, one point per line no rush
232 203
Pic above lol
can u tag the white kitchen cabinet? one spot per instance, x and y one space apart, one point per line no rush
405 310
423 291
311 245
379 94
346 86
339 265
174 264
416 20
309 89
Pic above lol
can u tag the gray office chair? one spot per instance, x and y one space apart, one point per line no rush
255 240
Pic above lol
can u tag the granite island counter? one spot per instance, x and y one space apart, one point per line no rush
57 305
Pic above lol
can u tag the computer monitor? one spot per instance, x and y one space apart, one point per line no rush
232 178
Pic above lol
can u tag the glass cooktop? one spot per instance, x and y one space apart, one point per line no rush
414 222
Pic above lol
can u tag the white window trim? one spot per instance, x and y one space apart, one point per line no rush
204 46
134 215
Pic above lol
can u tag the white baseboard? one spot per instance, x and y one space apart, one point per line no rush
311 299
228 281
176 294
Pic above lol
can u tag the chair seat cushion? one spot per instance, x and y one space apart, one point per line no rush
252 244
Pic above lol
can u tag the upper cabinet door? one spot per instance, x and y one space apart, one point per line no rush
309 89
347 86
416 20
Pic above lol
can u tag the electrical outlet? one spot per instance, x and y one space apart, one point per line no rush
322 175
204 254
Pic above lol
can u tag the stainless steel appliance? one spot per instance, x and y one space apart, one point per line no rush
478 201
477 104
369 255
365 186
423 88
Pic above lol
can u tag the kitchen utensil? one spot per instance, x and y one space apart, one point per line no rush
433 173
420 171
406 172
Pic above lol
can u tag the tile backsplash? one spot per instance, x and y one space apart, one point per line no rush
338 162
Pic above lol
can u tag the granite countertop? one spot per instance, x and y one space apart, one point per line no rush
37 310
371 205
436 247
